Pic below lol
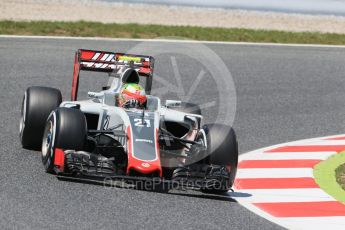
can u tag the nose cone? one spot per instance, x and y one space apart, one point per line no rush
136 167
137 164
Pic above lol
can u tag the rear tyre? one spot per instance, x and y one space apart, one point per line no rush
66 128
38 103
222 148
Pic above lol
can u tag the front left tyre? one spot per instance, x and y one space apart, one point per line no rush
66 129
38 103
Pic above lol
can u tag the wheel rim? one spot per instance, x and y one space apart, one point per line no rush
202 139
47 139
22 119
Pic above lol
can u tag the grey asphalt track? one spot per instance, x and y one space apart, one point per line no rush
283 94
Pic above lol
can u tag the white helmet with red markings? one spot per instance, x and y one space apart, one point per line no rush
132 95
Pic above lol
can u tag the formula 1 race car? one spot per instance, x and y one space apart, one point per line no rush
156 147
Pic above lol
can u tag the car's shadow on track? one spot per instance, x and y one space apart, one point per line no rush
229 197
221 197
239 194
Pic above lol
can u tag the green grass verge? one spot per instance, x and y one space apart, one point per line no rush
325 176
92 29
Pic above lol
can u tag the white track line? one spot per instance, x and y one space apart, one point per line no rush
322 142
331 223
174 41
274 173
281 195
287 156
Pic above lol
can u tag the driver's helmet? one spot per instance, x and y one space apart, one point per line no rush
132 95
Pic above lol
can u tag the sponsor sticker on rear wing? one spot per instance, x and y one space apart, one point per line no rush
103 61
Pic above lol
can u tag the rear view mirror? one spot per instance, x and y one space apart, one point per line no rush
172 103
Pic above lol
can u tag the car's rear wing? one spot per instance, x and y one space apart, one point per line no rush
103 61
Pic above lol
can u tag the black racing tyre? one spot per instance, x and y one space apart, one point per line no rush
187 107
66 128
38 103
222 150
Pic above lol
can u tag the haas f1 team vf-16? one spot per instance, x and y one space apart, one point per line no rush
97 140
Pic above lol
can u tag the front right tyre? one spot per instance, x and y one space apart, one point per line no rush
222 150
38 103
